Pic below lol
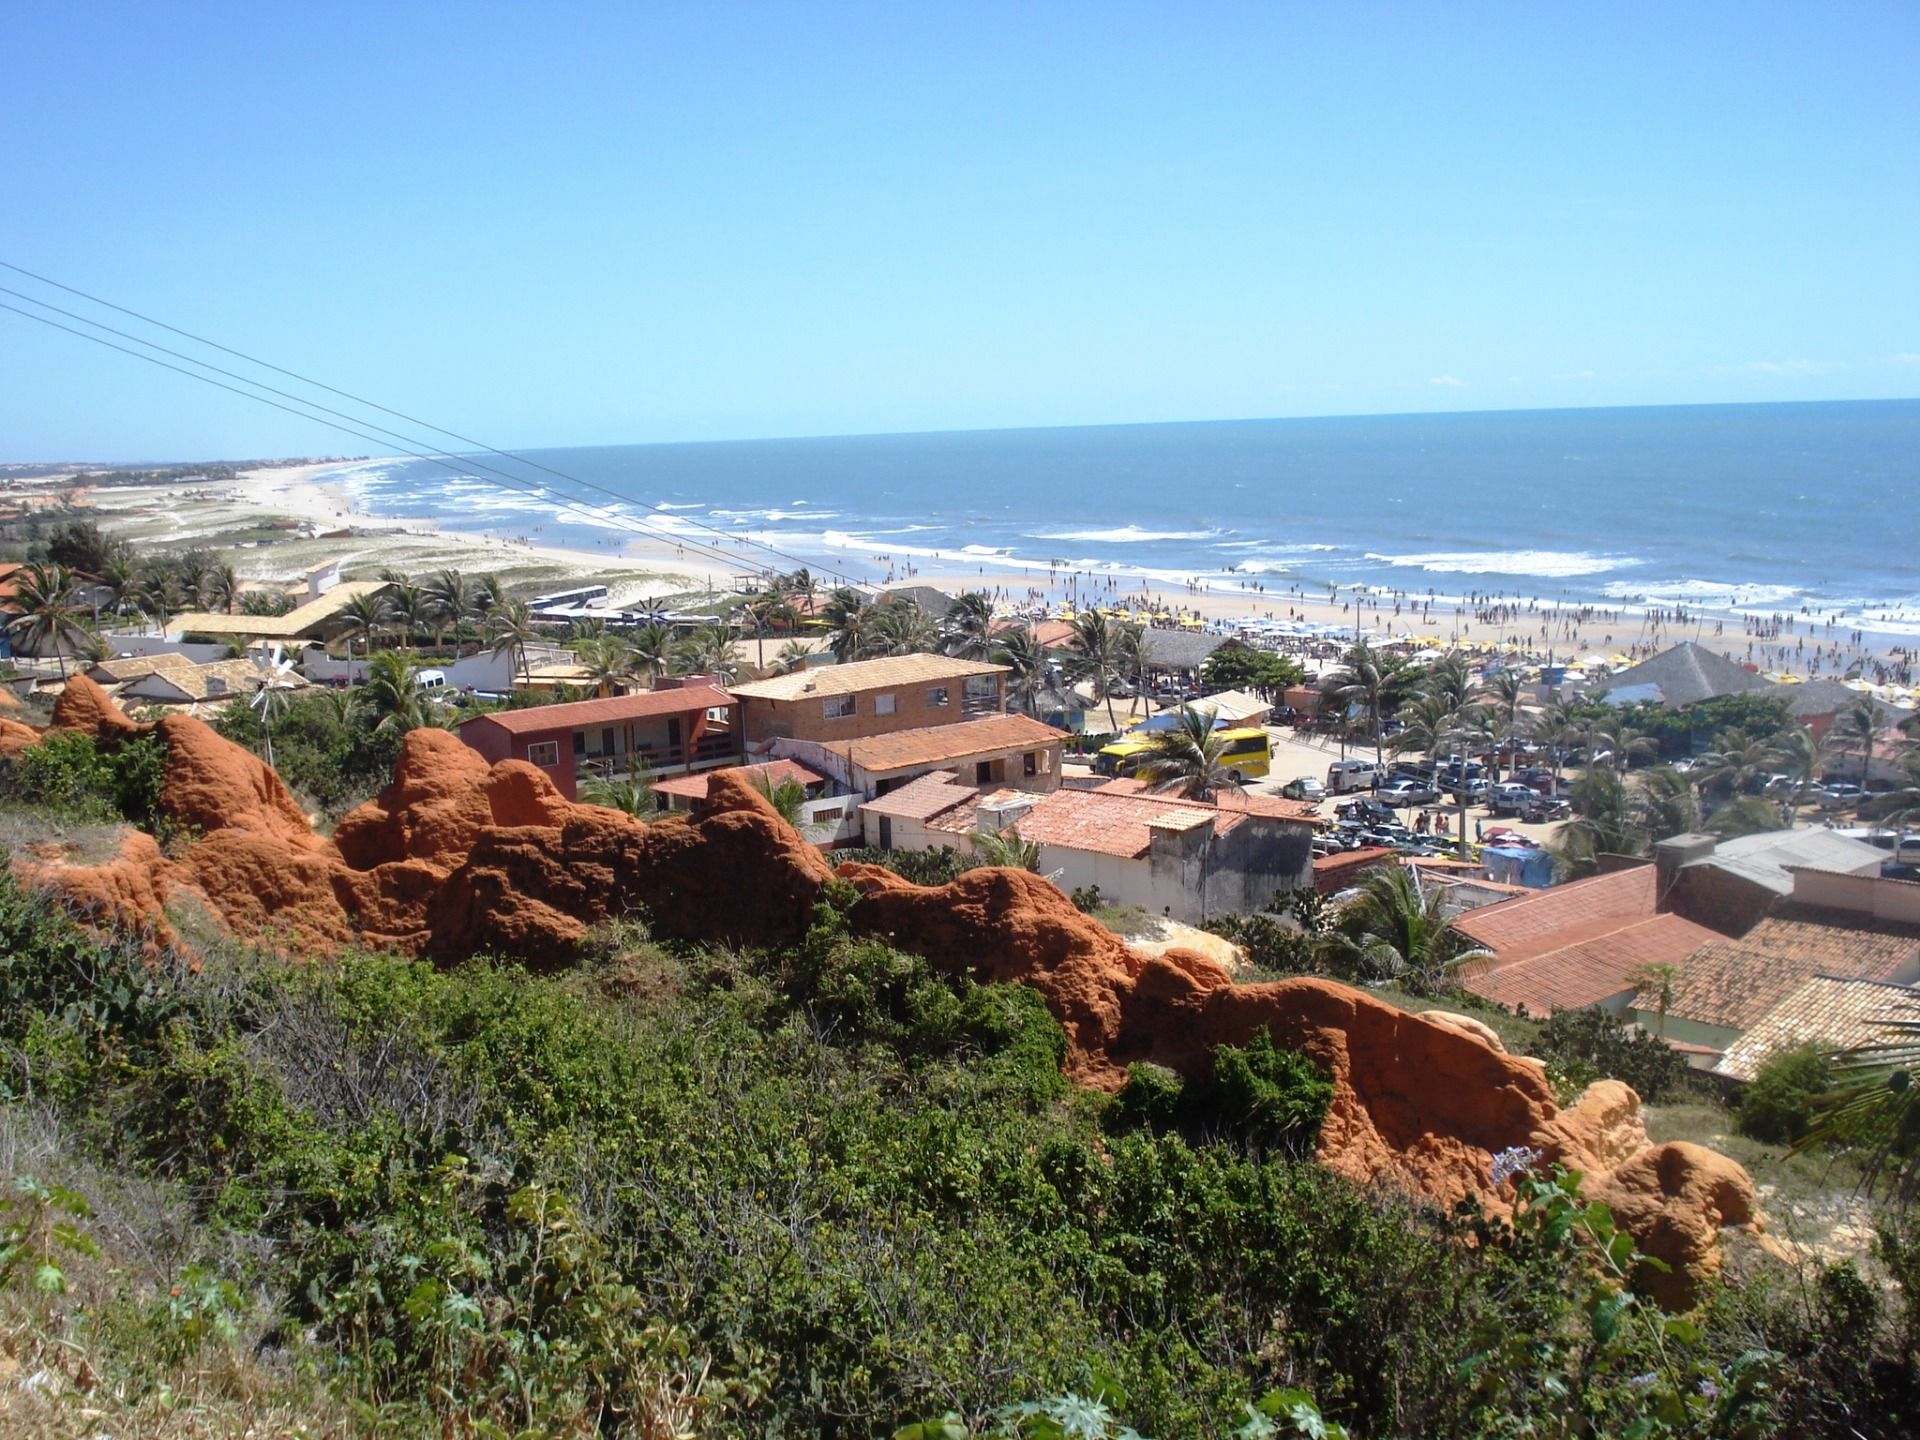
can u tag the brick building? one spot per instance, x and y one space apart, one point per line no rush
869 697
687 724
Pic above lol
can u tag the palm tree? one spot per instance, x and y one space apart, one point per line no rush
634 795
900 627
1100 657
847 615
1363 680
512 629
1026 663
1874 1104
219 588
489 595
1736 766
452 596
1667 803
1189 759
770 605
607 662
1854 731
1657 978
1555 727
1606 822
393 694
1005 849
1626 743
416 612
1743 815
1393 931
649 650
1796 754
965 632
707 651
121 580
1501 695
791 657
363 617
49 611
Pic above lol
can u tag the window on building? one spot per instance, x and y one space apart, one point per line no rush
982 693
1046 761
937 697
579 742
1030 763
837 707
544 752
883 704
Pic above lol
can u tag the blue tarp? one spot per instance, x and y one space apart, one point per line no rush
1518 865
1169 720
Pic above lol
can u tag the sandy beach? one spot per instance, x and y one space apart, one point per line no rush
235 517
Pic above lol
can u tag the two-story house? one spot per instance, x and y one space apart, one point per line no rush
865 698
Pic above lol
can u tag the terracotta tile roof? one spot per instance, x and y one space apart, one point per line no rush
1826 1010
1733 983
1337 872
131 667
1563 915
1274 807
946 744
610 711
1588 971
218 680
694 787
922 798
863 675
1107 824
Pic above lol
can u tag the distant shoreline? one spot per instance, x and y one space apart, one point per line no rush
320 494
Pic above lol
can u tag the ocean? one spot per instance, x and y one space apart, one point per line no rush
1754 508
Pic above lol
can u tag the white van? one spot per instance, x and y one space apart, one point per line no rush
430 680
1344 776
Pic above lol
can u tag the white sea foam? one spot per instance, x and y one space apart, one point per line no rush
1123 535
1547 564
688 505
1700 592
1267 547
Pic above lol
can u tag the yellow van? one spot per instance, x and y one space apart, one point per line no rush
1246 753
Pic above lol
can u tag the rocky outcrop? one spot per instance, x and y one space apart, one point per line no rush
16 736
456 857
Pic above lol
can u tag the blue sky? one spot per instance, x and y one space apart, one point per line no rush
601 224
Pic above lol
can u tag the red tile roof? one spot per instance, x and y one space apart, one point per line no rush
1108 824
694 787
610 711
1563 915
1733 983
947 744
1337 872
923 798
1587 971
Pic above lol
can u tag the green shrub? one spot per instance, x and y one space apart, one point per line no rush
922 867
1583 1045
1779 1103
1259 1095
65 773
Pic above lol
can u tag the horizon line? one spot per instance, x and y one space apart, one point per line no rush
790 438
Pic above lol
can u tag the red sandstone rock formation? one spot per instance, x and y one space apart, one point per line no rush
15 737
456 857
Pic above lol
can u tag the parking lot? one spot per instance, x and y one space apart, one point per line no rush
1296 755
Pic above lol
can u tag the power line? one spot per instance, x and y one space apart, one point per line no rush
638 526
629 522
372 404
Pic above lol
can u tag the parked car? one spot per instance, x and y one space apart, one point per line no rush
1367 811
1474 792
1510 797
1543 808
1306 787
1346 775
1402 793
1838 795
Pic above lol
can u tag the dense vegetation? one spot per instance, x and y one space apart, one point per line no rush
817 1192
